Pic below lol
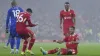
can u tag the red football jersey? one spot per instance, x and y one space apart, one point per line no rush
22 20
70 38
67 16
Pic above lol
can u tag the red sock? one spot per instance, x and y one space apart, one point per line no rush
31 43
63 51
24 46
53 51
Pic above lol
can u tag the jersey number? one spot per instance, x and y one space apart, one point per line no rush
16 13
20 18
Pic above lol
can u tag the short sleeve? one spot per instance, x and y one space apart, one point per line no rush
76 37
73 13
65 39
61 15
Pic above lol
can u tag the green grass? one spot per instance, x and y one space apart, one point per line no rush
92 49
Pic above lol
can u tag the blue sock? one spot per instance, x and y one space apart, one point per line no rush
8 41
12 42
18 42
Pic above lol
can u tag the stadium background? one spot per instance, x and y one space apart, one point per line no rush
46 14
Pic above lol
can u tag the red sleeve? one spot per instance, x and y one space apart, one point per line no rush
65 39
61 15
73 13
76 38
29 22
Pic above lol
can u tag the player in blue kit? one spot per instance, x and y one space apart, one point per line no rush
12 15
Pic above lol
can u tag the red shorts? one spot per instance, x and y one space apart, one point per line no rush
25 33
66 28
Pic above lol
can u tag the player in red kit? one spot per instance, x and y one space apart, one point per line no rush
24 32
67 18
71 45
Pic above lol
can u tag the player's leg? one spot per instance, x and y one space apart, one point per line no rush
65 51
17 44
66 31
24 45
32 41
24 35
12 41
53 51
8 41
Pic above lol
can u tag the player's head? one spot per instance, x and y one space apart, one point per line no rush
67 5
72 29
29 10
13 3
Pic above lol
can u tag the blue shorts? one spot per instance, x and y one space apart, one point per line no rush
13 32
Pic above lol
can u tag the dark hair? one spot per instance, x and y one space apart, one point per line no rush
72 27
66 2
29 10
13 3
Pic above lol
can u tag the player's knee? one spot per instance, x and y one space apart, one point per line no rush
63 51
32 35
26 41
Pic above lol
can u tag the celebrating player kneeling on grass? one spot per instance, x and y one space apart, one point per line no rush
71 40
24 32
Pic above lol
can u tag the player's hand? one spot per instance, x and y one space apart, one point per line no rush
66 34
72 42
54 40
59 41
36 24
6 30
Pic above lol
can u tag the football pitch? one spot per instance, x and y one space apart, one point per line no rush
88 49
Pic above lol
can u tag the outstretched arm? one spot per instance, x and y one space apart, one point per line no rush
61 20
73 17
58 41
74 21
7 21
30 24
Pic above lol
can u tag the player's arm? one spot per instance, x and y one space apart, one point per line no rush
30 23
74 21
7 21
73 17
76 41
58 41
61 20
